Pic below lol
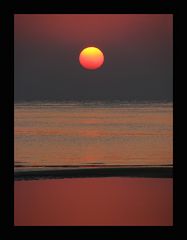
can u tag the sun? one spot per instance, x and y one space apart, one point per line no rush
91 58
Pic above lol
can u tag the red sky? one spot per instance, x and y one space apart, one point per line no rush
108 29
137 49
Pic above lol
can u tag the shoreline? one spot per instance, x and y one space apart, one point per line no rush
82 172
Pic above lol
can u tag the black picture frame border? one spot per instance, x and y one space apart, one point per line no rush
7 127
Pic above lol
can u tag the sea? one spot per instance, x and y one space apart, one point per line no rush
97 133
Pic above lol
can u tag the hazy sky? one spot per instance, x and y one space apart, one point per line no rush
137 49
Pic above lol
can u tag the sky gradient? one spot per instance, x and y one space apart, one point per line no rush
138 50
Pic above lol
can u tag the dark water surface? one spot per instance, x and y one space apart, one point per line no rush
79 134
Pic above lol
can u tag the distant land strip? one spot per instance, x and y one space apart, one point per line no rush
84 172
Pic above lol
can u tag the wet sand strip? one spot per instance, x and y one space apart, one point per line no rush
149 172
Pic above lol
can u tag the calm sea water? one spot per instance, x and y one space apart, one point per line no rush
94 202
93 133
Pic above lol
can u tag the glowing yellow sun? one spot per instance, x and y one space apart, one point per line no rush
91 58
